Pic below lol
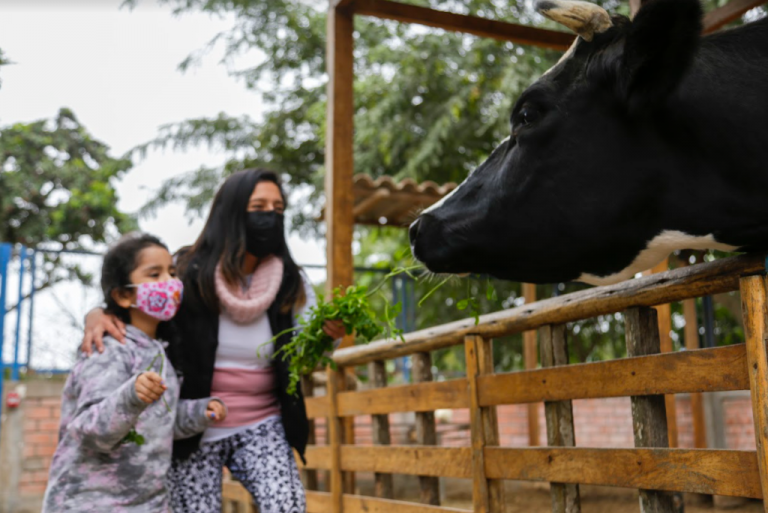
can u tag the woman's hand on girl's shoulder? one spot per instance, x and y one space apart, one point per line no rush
97 322
216 411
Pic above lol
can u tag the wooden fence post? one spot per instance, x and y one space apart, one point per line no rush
649 416
426 432
380 429
553 341
753 304
487 495
335 432
308 388
697 404
529 359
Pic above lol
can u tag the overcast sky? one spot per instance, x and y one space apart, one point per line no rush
117 70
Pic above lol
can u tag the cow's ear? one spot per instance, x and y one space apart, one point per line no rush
659 48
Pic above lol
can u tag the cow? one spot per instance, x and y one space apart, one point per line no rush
645 138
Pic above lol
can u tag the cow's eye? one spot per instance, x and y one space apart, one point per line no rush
528 114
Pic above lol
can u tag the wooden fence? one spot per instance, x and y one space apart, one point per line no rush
645 376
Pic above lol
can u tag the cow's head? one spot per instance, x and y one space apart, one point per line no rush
575 191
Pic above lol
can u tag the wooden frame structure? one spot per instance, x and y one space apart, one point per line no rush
646 376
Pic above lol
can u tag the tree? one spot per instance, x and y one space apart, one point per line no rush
56 190
3 62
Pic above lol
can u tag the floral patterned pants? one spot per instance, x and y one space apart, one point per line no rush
260 458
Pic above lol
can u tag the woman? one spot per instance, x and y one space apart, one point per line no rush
241 286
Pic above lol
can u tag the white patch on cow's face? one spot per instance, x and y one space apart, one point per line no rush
566 55
655 252
442 200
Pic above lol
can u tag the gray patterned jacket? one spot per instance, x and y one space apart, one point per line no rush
92 469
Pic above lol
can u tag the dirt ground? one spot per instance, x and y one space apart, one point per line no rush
607 500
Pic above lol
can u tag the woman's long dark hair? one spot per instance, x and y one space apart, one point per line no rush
223 240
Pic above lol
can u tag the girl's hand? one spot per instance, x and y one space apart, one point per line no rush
216 411
334 329
96 323
149 387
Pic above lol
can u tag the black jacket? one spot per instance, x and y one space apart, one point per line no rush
198 331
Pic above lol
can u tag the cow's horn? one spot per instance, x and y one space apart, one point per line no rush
584 18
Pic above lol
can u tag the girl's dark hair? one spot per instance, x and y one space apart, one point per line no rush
223 240
119 262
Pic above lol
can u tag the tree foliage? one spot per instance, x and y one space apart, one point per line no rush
57 189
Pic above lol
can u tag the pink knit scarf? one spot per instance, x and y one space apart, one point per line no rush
243 306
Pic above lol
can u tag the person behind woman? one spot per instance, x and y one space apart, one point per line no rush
97 465
242 286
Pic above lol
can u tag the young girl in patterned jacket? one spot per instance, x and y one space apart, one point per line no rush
121 409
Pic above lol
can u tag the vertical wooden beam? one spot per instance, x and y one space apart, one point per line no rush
553 342
339 164
335 432
496 498
754 308
476 350
426 431
665 327
697 403
649 415
348 383
308 388
380 426
530 361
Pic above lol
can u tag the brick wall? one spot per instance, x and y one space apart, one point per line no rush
29 437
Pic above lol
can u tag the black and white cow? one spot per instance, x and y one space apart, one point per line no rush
645 138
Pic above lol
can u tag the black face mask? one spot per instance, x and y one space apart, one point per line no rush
264 233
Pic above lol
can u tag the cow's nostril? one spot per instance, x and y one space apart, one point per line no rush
413 231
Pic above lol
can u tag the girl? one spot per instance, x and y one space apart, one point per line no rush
120 410
242 286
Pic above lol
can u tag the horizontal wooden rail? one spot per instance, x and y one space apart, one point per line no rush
701 370
428 396
317 407
320 502
318 457
714 472
474 25
418 460
734 9
699 280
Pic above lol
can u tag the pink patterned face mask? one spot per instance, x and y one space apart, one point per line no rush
159 299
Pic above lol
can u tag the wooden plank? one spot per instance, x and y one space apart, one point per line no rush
319 502
665 341
310 475
477 26
496 496
733 10
417 460
348 424
361 504
317 407
553 341
754 308
702 370
699 280
421 397
530 360
707 471
649 416
426 431
318 457
383 486
691 335
480 493
335 434
339 162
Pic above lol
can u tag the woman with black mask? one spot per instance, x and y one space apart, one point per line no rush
241 286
